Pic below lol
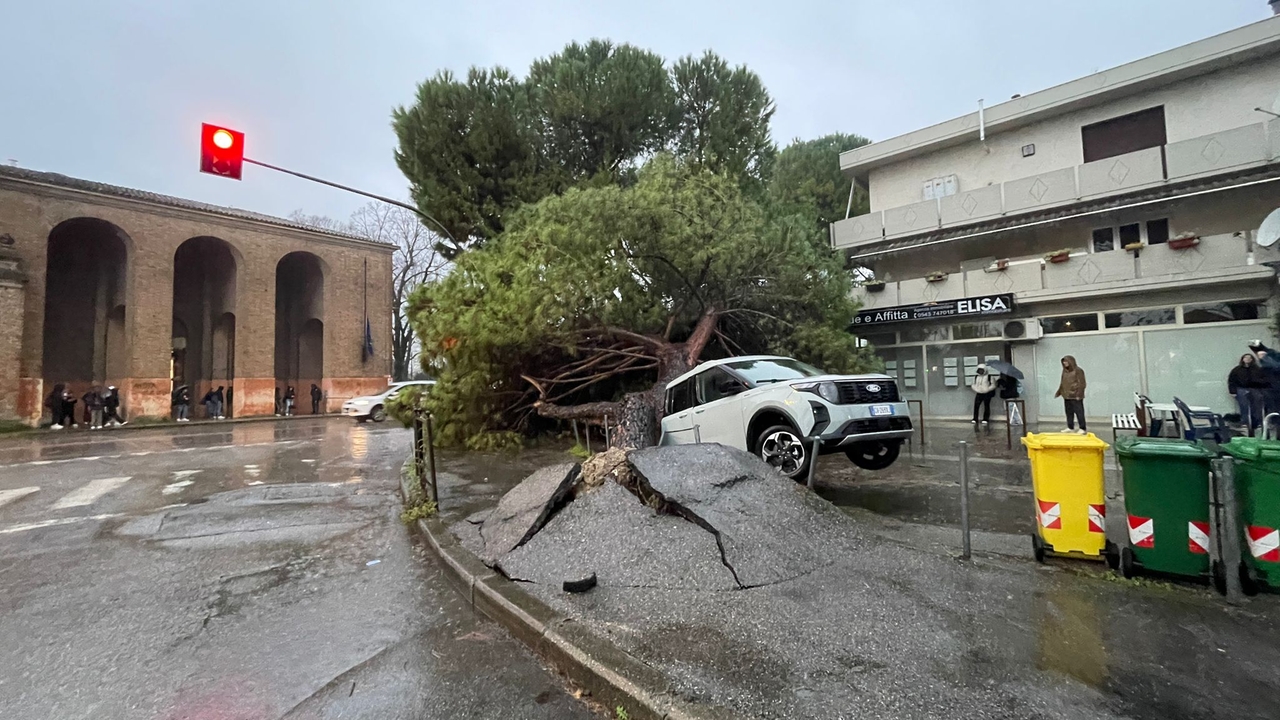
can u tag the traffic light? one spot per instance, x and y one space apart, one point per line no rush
221 151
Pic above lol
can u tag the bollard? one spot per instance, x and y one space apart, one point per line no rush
576 440
964 499
606 431
697 434
1224 473
431 445
813 464
419 462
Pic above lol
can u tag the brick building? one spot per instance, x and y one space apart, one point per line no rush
107 285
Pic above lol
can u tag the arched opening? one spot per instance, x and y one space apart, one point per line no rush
299 322
204 299
84 304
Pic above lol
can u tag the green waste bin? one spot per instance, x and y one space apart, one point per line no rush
1258 492
1166 500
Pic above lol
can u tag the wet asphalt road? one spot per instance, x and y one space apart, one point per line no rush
254 570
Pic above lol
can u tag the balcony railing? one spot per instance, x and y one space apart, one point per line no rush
1226 151
1033 278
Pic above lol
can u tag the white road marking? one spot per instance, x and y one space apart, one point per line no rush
8 496
281 443
254 482
52 522
175 488
86 495
252 470
182 474
308 460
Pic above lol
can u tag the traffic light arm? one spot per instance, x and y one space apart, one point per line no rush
380 198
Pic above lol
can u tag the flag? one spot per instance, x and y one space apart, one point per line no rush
367 350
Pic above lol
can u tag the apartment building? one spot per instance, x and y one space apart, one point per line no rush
1114 218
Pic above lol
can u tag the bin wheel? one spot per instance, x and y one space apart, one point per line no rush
1128 564
1248 583
1037 547
1112 554
1218 574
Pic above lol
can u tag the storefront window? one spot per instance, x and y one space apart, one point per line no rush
926 333
975 331
950 372
1223 312
1070 323
1139 318
906 366
879 339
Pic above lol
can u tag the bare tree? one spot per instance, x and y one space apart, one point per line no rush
415 262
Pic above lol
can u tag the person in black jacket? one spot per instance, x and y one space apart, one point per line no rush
1269 362
111 406
68 407
1248 384
315 399
290 398
54 403
93 407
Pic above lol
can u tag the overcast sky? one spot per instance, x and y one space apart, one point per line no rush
115 90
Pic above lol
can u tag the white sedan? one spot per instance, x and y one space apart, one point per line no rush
373 407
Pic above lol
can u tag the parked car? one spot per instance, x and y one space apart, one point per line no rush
372 407
775 407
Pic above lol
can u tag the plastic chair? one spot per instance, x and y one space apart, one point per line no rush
1199 425
1145 421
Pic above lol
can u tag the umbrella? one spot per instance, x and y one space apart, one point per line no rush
1004 368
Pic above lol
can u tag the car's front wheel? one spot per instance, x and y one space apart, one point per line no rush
378 414
782 447
874 455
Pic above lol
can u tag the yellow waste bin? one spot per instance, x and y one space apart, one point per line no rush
1071 504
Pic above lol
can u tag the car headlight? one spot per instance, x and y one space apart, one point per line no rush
826 390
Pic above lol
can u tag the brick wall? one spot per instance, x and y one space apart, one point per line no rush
152 233
11 302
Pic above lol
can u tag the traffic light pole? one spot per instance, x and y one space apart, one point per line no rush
339 186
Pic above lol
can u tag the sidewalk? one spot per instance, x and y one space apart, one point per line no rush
895 627
165 423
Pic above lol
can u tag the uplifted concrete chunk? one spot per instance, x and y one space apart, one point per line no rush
609 532
771 529
525 509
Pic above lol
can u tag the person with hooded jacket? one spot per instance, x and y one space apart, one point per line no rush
1269 364
93 407
984 388
54 403
1071 390
111 406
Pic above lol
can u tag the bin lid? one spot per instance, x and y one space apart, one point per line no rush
1247 448
1066 441
1133 446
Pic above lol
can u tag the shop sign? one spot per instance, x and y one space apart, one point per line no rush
964 307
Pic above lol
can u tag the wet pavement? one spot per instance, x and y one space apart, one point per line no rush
896 627
221 572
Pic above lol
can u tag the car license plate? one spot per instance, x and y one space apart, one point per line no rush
881 410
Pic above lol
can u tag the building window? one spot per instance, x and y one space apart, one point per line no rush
975 331
1070 323
926 333
1104 239
1223 312
1157 232
1140 318
1130 234
879 339
1125 134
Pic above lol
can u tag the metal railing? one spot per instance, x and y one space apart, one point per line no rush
424 456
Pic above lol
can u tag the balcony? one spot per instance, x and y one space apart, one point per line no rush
1217 259
1231 150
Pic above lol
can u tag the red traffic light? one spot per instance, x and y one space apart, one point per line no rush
221 151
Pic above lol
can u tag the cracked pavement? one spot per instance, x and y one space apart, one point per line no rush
237 572
848 617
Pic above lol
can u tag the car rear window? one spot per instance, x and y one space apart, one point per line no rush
680 397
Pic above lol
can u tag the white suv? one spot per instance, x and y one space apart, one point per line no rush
776 407
373 407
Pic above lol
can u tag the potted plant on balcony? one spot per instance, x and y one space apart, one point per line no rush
874 285
998 265
1058 256
936 276
1184 241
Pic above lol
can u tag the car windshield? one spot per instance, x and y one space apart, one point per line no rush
772 370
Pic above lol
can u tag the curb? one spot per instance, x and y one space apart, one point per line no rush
613 676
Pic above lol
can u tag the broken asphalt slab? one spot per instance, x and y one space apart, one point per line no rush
525 509
626 544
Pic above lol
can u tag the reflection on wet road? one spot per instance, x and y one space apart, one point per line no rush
254 570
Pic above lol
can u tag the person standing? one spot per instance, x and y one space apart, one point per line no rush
219 401
182 404
68 407
111 406
290 397
54 403
1248 384
210 403
984 388
1269 366
93 407
279 403
315 399
1071 390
